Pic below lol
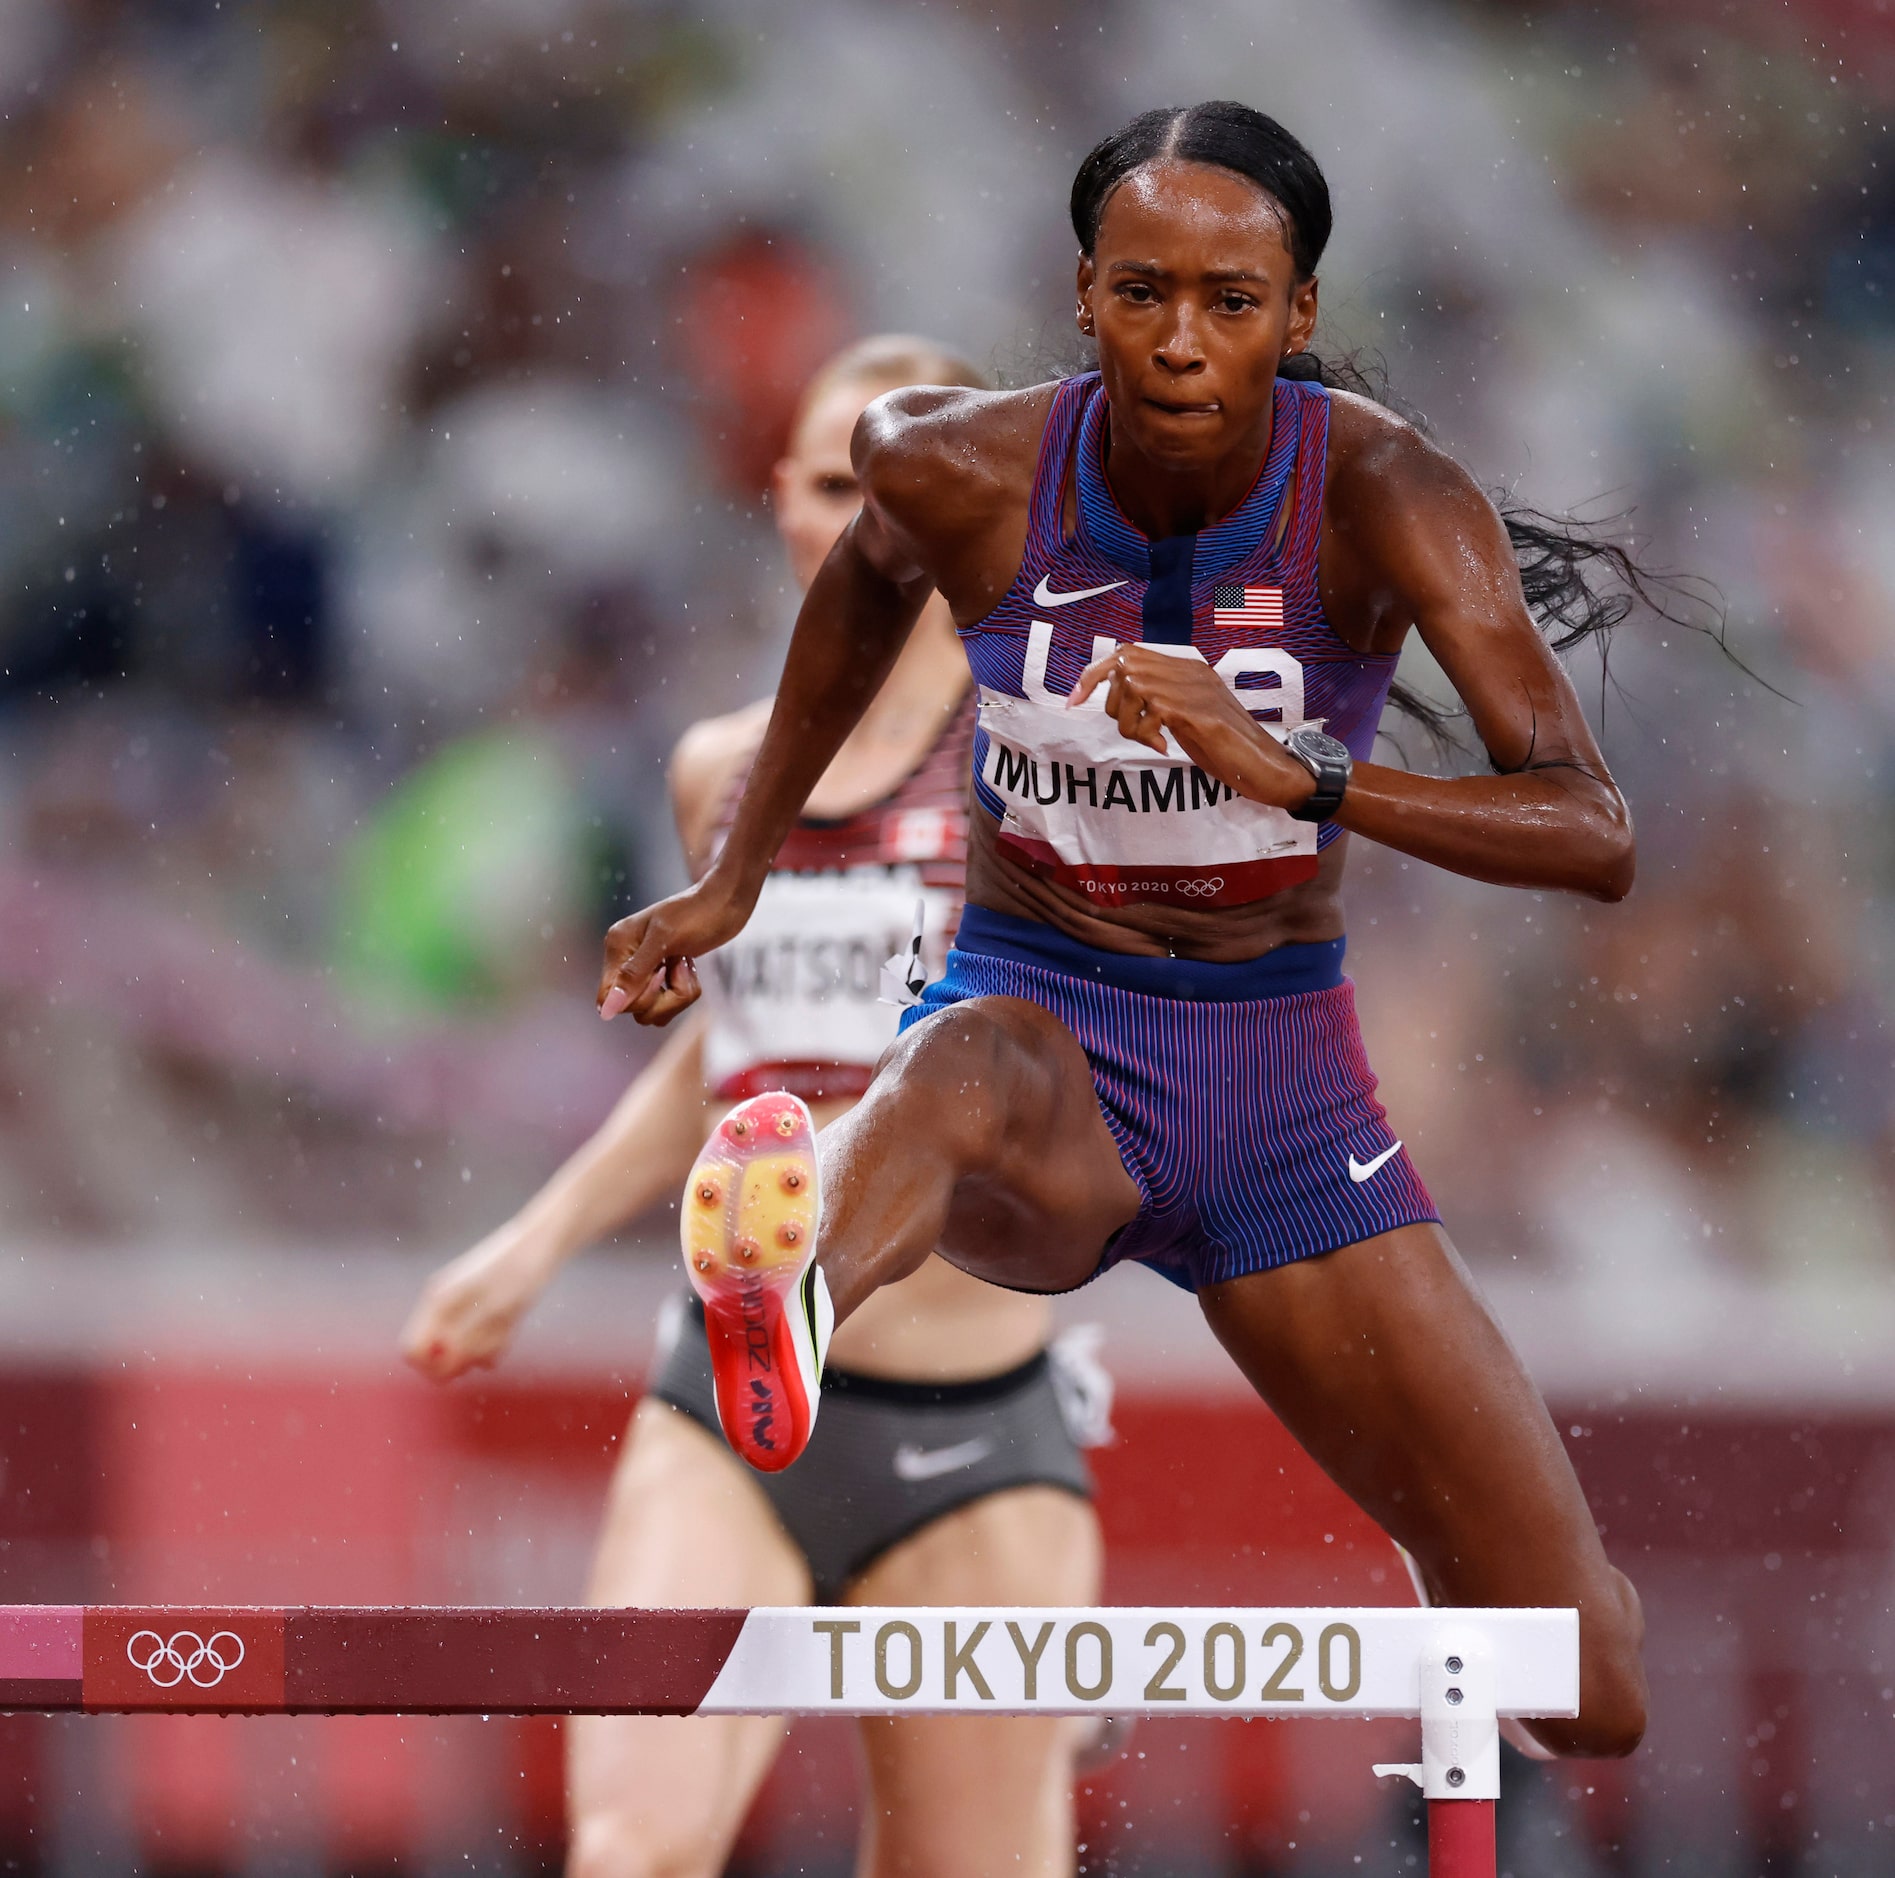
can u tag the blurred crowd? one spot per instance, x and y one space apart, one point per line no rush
387 392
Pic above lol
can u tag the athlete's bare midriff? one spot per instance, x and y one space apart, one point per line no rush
940 1325
1219 935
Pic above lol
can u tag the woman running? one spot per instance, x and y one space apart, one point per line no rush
945 1471
1182 582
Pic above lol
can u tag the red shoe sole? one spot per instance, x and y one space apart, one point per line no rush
749 1230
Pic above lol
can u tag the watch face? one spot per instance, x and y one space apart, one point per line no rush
1327 759
1320 744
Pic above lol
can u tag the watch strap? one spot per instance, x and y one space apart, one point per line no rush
1332 781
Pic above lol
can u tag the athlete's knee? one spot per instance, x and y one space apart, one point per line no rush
618 1845
959 1068
1612 1689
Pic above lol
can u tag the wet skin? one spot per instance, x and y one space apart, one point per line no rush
982 1133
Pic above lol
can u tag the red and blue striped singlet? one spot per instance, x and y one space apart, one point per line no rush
1110 818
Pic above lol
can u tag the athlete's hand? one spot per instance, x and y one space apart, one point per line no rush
650 957
1149 692
467 1312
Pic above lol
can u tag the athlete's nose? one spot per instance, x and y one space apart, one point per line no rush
1180 348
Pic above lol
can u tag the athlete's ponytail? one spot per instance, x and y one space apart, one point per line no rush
1579 583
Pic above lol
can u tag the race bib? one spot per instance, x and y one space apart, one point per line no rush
1119 823
796 998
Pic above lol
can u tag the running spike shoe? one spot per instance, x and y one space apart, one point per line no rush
749 1229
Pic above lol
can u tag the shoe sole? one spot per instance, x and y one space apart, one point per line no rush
749 1229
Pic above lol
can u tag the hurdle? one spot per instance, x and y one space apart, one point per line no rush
1459 1671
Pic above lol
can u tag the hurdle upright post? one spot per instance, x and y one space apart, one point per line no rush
1460 1757
1459 1770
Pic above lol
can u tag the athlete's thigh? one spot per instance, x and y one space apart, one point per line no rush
995 1093
1382 1360
952 1794
685 1526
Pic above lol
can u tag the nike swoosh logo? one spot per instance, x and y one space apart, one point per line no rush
912 1463
1360 1171
1043 595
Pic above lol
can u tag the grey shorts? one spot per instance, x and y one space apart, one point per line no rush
889 1458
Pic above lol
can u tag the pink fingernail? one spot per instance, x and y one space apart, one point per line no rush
614 1002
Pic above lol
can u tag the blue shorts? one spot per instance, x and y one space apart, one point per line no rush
1240 1096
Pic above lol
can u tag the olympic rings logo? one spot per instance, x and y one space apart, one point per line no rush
205 1660
1111 889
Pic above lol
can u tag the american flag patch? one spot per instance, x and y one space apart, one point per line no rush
1247 609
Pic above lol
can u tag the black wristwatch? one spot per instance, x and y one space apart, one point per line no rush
1327 759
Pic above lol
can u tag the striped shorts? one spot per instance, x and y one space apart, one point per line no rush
1240 1096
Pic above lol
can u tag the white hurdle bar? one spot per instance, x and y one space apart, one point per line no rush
1460 1671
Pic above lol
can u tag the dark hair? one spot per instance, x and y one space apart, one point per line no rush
1231 136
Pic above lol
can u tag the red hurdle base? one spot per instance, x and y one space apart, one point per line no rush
1461 1839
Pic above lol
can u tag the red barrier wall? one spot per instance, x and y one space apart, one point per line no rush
1762 1543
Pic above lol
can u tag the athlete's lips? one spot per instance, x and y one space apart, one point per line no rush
1177 407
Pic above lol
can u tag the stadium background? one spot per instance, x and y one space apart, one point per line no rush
386 389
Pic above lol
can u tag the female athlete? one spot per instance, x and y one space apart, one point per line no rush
1168 575
944 1471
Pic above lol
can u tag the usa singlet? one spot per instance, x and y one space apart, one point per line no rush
795 999
1074 799
1239 1095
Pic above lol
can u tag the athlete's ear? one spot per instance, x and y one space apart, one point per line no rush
1302 315
1083 311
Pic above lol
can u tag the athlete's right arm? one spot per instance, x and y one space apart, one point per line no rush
920 495
466 1316
643 1151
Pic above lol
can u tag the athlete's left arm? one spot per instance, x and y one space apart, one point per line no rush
1410 541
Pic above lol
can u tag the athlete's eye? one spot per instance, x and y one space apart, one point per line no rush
838 488
1136 291
1234 302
